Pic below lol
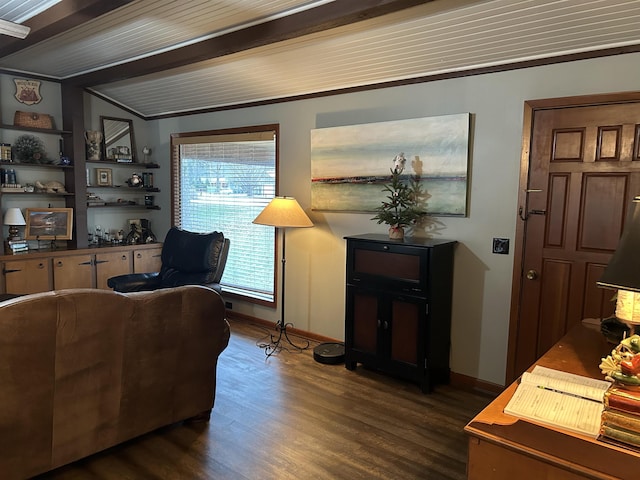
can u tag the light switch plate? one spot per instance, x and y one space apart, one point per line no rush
501 246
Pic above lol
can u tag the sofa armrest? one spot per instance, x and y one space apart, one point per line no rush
135 282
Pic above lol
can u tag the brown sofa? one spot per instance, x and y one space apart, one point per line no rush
83 370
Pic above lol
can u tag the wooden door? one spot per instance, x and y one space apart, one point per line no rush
26 276
147 260
110 264
578 180
72 271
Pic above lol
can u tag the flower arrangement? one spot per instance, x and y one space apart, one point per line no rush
30 149
402 207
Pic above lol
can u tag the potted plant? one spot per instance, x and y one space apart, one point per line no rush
403 205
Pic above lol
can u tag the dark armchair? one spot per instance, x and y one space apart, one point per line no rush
188 258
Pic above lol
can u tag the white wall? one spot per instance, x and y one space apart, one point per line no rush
482 280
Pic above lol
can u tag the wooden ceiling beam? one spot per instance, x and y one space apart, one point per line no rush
331 15
58 19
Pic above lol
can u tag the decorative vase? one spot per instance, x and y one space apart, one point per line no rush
93 139
396 233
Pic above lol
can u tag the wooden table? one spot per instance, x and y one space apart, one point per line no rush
502 446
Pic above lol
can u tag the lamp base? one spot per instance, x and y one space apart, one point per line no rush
276 343
14 233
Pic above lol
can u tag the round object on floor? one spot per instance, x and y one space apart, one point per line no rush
331 353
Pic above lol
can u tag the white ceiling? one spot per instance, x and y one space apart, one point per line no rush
435 38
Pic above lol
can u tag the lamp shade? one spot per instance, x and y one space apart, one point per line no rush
13 216
283 212
623 270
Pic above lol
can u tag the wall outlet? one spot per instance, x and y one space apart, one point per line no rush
501 246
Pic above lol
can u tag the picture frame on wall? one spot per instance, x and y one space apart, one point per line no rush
49 223
351 164
104 177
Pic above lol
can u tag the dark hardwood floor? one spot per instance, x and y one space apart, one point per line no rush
289 417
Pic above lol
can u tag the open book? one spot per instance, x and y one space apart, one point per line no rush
560 399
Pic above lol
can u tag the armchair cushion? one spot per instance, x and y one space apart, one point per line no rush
135 282
190 258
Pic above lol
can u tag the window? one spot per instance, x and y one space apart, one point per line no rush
221 180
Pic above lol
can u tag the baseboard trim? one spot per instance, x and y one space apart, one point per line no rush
458 380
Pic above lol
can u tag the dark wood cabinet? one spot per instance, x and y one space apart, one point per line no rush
398 306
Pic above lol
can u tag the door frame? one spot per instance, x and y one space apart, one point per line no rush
530 109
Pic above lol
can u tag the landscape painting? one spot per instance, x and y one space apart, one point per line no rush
351 164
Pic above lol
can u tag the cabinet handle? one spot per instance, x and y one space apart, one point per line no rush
379 323
386 325
41 266
124 257
139 255
385 247
59 263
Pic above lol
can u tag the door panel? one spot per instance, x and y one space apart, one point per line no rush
405 334
111 264
75 271
147 261
582 171
27 276
365 322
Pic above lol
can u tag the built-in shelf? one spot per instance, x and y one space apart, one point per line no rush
125 187
124 205
39 165
50 131
49 194
123 164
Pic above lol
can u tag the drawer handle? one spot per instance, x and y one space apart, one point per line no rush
60 263
124 257
139 255
386 247
41 266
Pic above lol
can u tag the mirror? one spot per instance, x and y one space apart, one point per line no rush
119 142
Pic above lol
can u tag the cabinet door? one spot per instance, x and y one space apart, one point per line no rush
27 276
73 271
361 326
147 261
111 264
405 333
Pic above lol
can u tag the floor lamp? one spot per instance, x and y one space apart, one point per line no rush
282 213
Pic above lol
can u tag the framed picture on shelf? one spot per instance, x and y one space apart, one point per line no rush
49 223
103 177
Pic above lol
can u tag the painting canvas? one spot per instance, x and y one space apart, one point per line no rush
351 164
49 223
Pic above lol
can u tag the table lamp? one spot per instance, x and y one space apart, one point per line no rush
13 218
282 213
623 271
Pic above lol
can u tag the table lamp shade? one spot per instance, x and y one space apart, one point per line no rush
283 212
623 270
13 216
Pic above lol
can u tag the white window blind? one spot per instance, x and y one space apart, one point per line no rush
222 181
